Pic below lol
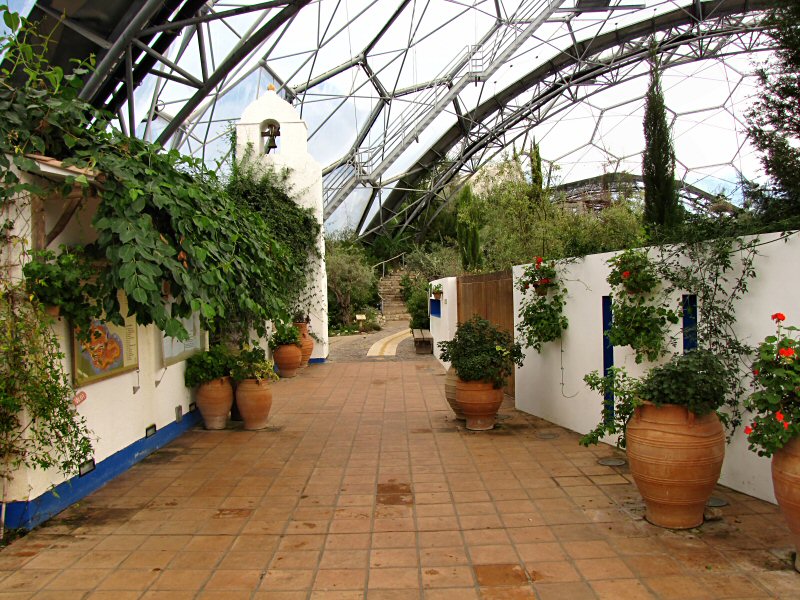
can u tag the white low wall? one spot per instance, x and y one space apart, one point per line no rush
550 385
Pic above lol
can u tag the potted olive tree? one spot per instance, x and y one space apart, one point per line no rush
673 436
210 373
483 356
286 347
252 373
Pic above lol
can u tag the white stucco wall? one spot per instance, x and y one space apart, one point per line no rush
550 385
305 178
444 327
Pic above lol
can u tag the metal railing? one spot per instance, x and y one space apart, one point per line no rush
383 263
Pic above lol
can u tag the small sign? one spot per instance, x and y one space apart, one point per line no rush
361 317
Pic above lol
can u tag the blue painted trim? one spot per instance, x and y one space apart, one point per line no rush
317 360
27 514
689 322
608 357
436 308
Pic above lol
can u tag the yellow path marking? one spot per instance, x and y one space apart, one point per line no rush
388 346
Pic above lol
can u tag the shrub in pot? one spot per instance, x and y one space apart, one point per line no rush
483 356
671 431
302 321
252 372
210 373
286 347
775 428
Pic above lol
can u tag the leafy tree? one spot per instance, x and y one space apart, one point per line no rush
774 119
661 208
351 282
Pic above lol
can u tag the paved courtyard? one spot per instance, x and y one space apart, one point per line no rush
364 486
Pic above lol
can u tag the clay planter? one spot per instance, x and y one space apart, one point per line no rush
541 290
214 400
675 458
254 399
308 344
450 392
786 483
288 359
437 295
479 402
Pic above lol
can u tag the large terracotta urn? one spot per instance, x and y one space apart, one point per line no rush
287 358
786 483
307 343
675 458
479 401
450 380
214 400
254 399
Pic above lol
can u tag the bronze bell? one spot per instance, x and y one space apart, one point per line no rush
273 131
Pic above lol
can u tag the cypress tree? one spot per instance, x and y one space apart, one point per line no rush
661 208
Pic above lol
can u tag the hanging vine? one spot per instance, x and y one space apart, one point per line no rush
541 314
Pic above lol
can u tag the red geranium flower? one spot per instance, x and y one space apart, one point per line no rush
756 372
544 281
786 425
626 274
780 416
779 317
786 352
539 260
748 430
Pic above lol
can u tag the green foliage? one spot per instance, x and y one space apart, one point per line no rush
436 289
774 119
252 363
468 229
66 280
480 351
39 426
164 221
541 314
406 287
633 271
434 261
351 281
641 325
661 206
775 403
622 389
207 366
417 304
285 334
696 380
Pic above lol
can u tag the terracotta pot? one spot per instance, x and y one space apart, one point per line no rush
479 402
254 399
786 483
53 310
675 458
308 344
437 295
450 380
287 358
541 290
214 400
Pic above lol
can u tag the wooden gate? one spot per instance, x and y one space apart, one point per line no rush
490 296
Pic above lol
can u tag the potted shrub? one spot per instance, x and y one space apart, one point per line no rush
286 349
252 373
483 356
775 428
210 373
436 290
671 431
65 284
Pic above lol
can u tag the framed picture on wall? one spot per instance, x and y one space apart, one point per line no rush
110 351
174 350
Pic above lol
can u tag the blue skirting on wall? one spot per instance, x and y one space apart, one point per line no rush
29 514
317 360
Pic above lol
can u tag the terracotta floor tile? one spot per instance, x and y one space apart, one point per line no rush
676 587
196 560
552 571
499 575
287 580
113 595
589 549
394 557
340 579
241 579
540 551
452 594
403 578
180 579
441 577
564 591
508 593
77 579
614 589
493 554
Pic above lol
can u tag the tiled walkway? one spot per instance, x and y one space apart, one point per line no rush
365 487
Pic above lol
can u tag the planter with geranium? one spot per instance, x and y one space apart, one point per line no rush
436 290
287 349
210 373
483 356
671 432
541 315
253 372
641 317
775 428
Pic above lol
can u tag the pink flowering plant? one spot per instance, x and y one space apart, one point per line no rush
775 403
